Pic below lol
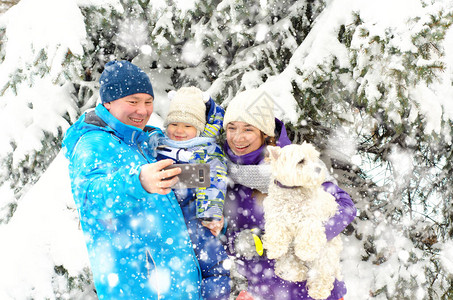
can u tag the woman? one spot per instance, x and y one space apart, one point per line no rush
250 125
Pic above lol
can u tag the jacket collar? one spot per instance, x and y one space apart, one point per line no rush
252 158
196 141
283 139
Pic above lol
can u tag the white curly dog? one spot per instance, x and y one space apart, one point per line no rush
296 210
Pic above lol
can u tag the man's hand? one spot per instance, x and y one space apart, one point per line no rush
214 226
155 180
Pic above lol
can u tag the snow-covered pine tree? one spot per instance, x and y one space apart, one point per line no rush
41 65
34 121
184 43
369 94
6 4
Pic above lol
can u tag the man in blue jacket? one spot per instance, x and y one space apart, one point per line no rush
137 240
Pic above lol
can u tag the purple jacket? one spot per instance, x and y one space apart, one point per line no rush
243 212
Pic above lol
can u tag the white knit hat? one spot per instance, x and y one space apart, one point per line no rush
254 107
187 105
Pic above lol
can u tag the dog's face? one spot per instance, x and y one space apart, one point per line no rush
297 165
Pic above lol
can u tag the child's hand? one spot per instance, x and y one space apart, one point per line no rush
214 226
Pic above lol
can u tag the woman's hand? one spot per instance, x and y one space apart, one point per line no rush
155 180
248 243
214 226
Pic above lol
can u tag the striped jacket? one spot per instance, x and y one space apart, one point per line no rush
202 149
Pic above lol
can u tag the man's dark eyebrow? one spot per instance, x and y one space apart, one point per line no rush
137 97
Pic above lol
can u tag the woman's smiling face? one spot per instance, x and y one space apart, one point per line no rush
243 138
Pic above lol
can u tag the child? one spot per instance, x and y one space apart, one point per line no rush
191 139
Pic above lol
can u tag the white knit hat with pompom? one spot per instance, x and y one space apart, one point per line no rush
255 107
187 105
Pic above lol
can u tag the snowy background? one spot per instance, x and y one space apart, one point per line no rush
370 53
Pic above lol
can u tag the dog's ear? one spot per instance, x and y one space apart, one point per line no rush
310 151
274 152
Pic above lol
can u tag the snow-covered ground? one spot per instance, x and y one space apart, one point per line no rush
43 233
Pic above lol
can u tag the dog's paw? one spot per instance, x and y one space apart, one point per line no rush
292 275
320 288
319 293
290 268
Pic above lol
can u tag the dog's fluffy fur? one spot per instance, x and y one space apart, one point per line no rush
296 211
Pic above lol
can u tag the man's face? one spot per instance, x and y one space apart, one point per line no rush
134 110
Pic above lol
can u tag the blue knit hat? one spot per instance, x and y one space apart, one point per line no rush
122 78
